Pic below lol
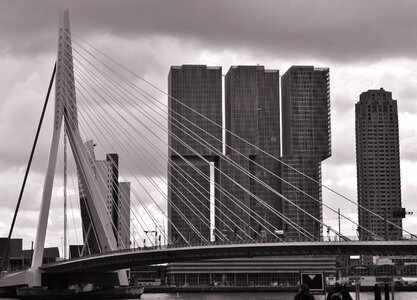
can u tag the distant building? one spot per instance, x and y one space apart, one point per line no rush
252 114
193 90
21 259
378 165
117 196
15 252
50 254
306 142
75 251
258 271
123 225
396 267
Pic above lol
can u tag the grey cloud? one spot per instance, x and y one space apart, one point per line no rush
149 36
408 150
337 30
407 97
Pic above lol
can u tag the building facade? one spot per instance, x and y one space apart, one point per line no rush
116 195
252 122
123 221
252 118
195 137
260 271
378 165
306 140
252 146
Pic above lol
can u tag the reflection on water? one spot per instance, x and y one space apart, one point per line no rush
261 296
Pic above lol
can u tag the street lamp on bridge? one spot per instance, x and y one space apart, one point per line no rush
152 231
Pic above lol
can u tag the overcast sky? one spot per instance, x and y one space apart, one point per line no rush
366 45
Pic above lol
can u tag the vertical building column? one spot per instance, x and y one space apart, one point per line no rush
306 142
195 106
252 113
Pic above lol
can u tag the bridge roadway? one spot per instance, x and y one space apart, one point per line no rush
123 259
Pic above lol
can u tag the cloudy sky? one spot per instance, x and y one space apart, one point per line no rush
366 45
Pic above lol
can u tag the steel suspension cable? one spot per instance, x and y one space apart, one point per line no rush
145 209
266 153
303 210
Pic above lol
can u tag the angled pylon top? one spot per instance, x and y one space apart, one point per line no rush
65 84
66 109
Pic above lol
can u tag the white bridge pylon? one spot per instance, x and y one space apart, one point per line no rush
66 109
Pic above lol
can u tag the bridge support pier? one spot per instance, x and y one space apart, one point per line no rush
31 277
34 277
122 274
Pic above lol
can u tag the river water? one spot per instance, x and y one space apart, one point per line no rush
262 296
258 296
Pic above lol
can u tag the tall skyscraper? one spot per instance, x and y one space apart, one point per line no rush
306 143
378 164
251 113
194 90
117 196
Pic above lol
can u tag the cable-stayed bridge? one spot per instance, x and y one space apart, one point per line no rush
136 257
97 98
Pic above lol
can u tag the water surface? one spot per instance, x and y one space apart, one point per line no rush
262 296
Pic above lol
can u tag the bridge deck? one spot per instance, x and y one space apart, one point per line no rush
136 257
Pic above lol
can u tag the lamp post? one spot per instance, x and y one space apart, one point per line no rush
163 228
338 218
62 245
152 231
133 234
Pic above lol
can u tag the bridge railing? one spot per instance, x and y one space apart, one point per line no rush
237 242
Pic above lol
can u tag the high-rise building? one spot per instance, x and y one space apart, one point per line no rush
252 121
116 195
306 143
378 165
123 221
252 114
195 95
